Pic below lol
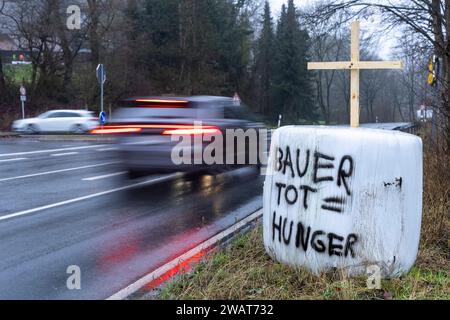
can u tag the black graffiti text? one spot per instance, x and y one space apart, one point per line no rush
323 167
305 238
291 194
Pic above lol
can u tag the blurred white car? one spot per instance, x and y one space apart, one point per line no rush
67 121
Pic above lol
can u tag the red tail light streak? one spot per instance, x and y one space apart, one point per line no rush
168 129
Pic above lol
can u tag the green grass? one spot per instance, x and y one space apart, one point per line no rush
244 271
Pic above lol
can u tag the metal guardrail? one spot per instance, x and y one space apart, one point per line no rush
411 128
408 127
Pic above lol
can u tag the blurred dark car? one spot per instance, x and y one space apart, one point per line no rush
150 130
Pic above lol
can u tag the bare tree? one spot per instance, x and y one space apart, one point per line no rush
101 15
326 47
40 28
426 19
414 77
2 76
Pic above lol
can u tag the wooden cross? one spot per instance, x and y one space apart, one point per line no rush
355 65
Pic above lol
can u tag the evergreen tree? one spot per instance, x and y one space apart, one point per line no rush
264 64
293 92
160 27
195 46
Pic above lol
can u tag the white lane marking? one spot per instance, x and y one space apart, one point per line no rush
59 204
107 149
11 160
64 154
105 176
59 171
124 293
51 151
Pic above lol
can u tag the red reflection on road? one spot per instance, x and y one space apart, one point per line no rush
183 267
118 255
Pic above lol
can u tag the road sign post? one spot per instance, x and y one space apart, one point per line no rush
23 99
101 76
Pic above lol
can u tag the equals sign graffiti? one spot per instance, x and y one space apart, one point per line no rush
334 204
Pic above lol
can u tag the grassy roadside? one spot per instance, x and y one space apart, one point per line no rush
244 271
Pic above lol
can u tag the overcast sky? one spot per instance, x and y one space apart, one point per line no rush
276 4
386 42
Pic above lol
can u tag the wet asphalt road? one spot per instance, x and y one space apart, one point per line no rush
70 203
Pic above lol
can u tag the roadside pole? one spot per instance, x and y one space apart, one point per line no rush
23 99
101 76
101 97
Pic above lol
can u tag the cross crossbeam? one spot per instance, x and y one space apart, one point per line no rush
355 65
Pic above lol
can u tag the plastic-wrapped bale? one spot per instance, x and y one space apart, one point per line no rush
344 198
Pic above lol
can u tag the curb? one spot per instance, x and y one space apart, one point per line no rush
9 135
183 262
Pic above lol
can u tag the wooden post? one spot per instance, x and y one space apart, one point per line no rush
354 83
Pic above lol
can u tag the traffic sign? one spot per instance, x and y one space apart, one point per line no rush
23 91
433 70
102 118
23 98
101 74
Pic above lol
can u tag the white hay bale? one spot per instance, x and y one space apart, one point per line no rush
345 198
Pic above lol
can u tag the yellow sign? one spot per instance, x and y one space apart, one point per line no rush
431 77
433 71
